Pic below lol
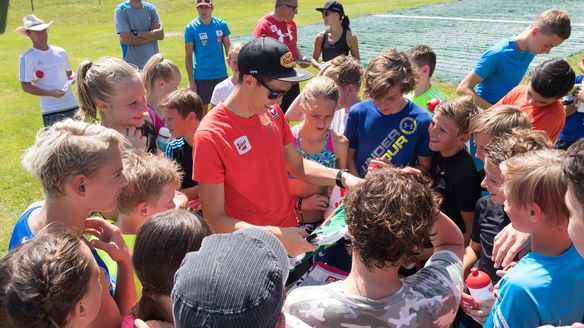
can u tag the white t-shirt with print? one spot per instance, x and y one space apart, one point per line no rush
222 90
47 69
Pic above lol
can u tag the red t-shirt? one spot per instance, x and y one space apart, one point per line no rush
550 118
246 155
284 31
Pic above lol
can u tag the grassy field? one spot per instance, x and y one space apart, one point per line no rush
85 29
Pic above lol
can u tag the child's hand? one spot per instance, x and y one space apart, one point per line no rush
504 271
134 135
109 239
508 243
180 199
579 93
315 202
481 312
293 240
152 324
378 163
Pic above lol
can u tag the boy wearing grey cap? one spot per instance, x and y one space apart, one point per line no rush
233 280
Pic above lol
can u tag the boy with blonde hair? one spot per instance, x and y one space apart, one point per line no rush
347 72
490 218
502 66
502 119
453 172
388 126
183 111
80 168
547 285
152 181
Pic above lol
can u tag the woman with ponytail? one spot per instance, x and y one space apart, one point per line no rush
114 89
161 244
337 39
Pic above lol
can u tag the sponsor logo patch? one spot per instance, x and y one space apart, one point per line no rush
242 144
287 60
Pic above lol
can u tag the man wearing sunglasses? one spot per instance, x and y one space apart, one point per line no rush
243 149
279 24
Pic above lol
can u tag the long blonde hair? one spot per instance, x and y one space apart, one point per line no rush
157 67
98 81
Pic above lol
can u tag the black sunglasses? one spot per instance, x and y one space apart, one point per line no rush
274 94
295 8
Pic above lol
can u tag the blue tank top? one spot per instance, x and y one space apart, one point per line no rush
22 233
325 157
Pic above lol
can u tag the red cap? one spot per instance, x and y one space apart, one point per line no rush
208 3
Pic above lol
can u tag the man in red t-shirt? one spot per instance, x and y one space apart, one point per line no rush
243 149
540 99
279 24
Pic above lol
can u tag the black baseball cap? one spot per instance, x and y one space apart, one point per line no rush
333 6
269 58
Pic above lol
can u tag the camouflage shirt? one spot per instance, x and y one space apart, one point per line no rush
429 298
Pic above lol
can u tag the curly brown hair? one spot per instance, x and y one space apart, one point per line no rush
43 279
390 216
389 68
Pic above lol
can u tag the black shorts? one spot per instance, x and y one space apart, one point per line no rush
290 96
205 88
52 118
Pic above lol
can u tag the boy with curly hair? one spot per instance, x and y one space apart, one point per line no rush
390 216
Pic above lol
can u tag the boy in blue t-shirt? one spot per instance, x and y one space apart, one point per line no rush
502 66
547 285
208 38
388 128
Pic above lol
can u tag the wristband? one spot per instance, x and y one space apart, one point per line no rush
338 180
299 207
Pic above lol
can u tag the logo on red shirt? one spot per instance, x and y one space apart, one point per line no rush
242 144
274 113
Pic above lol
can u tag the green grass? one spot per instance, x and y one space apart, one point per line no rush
85 29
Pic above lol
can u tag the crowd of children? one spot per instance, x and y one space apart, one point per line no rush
110 246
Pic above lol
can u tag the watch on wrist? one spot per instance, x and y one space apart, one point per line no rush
135 33
339 180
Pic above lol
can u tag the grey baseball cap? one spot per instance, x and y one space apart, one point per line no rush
233 280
